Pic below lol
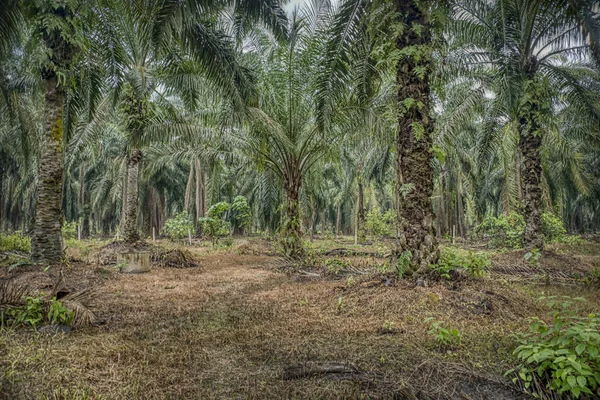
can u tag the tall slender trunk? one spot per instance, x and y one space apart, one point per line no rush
414 139
530 144
188 189
313 218
130 233
47 241
338 220
200 190
291 235
360 220
123 203
85 207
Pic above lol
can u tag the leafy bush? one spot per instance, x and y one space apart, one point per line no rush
452 259
507 230
442 335
36 313
378 224
16 241
214 228
178 227
563 355
240 214
218 210
553 228
69 230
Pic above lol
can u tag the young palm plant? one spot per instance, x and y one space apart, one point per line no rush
282 130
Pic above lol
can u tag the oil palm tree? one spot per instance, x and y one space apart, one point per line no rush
535 59
402 33
282 130
146 45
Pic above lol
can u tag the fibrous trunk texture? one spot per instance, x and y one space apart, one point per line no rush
532 192
47 241
291 236
360 220
338 220
200 190
130 233
414 139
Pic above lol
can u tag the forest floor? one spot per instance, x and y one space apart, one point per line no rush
243 324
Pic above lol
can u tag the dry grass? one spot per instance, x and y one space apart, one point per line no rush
234 327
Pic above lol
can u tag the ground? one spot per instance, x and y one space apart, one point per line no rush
246 324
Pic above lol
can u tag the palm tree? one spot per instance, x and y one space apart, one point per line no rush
403 32
58 28
534 58
144 45
282 131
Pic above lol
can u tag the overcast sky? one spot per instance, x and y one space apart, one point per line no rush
292 3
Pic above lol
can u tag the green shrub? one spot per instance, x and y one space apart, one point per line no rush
508 230
378 224
452 259
563 355
214 228
178 227
16 241
240 214
218 210
504 231
442 335
553 228
36 313
69 230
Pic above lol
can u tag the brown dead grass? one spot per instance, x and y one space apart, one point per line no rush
233 327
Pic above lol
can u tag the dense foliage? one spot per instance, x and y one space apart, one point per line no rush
372 119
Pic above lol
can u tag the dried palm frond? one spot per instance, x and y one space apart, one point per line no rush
82 316
12 292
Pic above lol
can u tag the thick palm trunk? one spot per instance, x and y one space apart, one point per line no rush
130 230
47 241
360 220
532 192
413 163
291 239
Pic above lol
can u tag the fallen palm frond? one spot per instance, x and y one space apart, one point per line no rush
12 292
81 303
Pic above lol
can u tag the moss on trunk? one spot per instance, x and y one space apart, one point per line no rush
413 159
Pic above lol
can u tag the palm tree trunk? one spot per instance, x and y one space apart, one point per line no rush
414 139
313 218
188 190
130 233
47 241
338 220
532 193
200 191
291 236
360 220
